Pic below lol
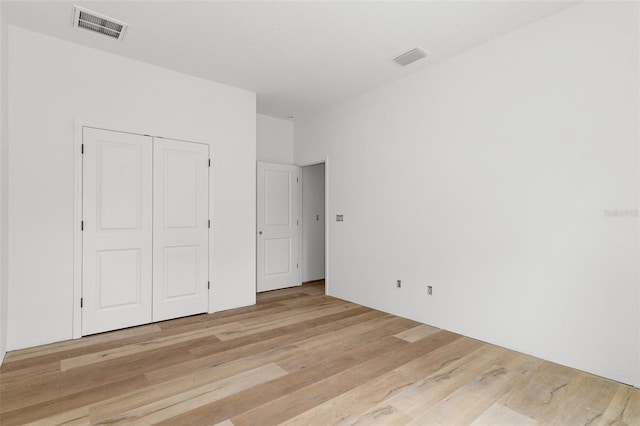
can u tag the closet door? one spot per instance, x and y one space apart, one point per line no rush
117 230
181 234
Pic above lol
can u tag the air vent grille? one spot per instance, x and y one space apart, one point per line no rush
98 23
410 56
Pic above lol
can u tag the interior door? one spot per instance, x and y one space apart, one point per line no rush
278 221
117 230
181 234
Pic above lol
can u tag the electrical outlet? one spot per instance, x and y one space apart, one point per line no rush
399 283
430 290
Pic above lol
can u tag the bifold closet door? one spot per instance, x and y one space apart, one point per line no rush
117 230
181 234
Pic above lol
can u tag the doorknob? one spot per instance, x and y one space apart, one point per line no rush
260 233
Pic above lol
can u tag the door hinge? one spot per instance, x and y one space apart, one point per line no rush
209 223
82 149
297 265
82 225
209 162
208 285
82 302
297 179
297 223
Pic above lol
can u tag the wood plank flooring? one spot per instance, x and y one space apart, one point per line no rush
299 357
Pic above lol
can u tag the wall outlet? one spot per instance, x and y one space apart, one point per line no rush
399 283
430 290
339 218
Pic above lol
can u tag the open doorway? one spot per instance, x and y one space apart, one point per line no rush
313 223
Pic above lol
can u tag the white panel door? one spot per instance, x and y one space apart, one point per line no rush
117 230
181 234
278 241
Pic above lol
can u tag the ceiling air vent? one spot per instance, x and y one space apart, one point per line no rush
98 23
410 56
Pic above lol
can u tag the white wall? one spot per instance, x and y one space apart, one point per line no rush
274 139
52 83
3 181
488 176
313 222
637 384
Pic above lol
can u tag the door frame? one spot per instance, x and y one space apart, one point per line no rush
78 124
327 200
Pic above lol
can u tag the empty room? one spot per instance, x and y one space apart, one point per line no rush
320 212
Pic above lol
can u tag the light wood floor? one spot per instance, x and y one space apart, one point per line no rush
299 358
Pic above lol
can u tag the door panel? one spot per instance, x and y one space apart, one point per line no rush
181 231
118 200
117 220
278 241
118 278
181 266
277 256
277 200
181 186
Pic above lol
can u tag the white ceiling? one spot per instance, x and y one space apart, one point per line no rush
298 56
